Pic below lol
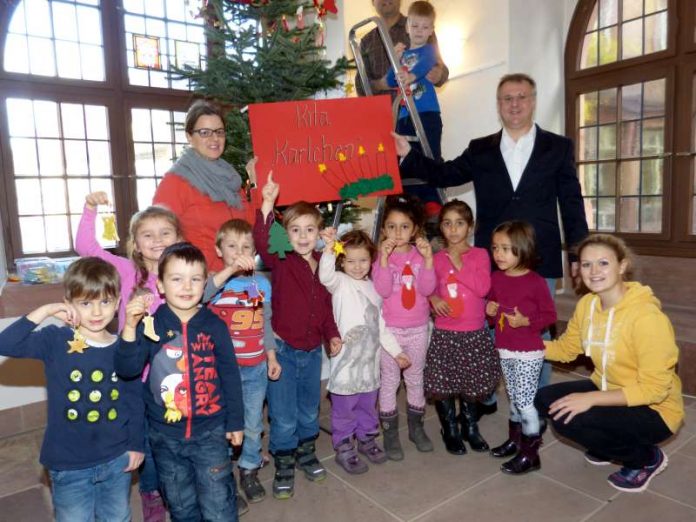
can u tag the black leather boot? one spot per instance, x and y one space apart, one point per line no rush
469 420
512 444
527 459
450 429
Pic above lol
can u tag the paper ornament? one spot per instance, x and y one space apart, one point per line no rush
408 290
110 233
278 242
149 331
78 344
338 248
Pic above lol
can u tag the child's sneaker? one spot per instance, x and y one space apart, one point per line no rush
251 485
284 478
596 460
307 461
372 451
348 458
153 507
637 480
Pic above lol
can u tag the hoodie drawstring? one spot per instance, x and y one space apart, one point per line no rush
589 342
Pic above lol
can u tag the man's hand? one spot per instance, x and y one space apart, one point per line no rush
401 144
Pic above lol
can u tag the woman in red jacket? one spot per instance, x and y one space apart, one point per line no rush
201 188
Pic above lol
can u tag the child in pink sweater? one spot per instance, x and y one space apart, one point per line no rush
461 362
403 275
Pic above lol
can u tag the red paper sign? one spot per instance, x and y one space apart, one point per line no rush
326 150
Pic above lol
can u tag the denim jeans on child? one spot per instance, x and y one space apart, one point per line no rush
254 384
100 492
147 473
293 400
196 476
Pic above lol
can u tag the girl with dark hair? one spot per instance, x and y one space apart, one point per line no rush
520 307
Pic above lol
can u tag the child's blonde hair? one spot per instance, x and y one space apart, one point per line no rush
136 222
232 226
299 209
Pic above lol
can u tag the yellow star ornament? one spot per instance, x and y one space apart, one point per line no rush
78 343
338 248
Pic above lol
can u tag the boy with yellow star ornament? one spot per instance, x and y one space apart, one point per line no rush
95 420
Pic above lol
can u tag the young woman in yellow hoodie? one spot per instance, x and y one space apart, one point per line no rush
633 400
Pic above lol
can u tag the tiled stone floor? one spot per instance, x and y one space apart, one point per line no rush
426 487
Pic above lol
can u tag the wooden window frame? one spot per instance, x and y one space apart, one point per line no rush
675 239
115 93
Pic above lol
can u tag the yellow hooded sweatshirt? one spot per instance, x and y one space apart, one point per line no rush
632 347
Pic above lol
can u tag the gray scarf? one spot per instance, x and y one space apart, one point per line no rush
217 179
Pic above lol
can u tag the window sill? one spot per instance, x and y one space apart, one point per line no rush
18 299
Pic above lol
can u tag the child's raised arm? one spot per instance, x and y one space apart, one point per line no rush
20 340
269 192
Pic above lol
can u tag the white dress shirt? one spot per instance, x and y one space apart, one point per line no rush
516 154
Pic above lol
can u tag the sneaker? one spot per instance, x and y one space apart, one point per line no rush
153 507
596 460
242 506
251 485
637 480
372 451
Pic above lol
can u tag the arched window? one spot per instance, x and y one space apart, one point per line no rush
86 104
630 101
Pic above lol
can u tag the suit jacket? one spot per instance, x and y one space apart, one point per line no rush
549 177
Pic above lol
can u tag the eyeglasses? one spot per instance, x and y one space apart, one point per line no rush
208 133
520 98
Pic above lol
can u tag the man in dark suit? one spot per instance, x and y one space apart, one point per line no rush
520 172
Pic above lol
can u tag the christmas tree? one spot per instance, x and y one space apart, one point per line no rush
262 51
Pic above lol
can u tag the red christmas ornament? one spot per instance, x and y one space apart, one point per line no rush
408 287
324 6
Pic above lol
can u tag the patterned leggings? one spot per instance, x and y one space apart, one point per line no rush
414 343
521 380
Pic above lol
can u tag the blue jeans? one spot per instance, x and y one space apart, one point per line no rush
100 492
254 384
147 473
293 400
196 476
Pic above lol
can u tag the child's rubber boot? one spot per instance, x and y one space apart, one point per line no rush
348 458
512 445
308 462
153 507
390 430
470 431
527 459
251 485
416 433
451 436
284 478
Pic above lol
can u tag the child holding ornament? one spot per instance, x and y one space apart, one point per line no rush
461 362
302 321
403 275
241 297
193 393
354 379
95 420
150 232
520 306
